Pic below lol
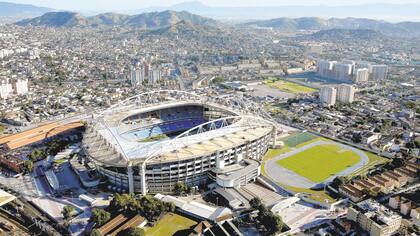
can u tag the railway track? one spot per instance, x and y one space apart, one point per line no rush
9 218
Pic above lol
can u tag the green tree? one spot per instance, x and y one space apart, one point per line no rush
180 188
37 155
67 212
100 216
255 203
28 166
136 232
95 232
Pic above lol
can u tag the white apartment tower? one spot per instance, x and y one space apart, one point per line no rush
154 76
137 77
325 68
345 93
328 95
343 71
378 72
20 86
361 75
5 89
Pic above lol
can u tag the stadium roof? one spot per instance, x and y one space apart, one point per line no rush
5 197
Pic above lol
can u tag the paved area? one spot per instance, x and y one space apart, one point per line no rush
302 215
290 178
264 90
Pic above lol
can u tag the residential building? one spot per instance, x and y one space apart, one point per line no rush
378 72
345 93
375 218
328 96
361 75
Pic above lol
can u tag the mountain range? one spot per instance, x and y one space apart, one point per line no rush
402 29
150 20
390 12
156 20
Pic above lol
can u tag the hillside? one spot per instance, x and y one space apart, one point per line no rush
343 35
152 20
403 29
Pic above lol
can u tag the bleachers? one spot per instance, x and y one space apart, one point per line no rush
165 128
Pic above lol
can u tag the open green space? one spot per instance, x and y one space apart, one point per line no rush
320 162
298 138
171 224
290 87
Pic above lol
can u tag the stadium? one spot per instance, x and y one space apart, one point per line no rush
150 142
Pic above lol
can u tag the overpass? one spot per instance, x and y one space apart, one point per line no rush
28 137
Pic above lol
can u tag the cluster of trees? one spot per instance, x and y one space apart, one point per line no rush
147 206
100 217
52 149
28 166
38 154
271 222
56 146
181 189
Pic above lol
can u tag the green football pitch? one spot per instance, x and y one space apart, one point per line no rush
320 162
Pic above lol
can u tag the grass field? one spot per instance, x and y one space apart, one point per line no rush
170 224
298 138
320 162
290 87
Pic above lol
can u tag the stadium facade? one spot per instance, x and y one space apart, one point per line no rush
150 142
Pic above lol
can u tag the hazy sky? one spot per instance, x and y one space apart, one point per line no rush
98 5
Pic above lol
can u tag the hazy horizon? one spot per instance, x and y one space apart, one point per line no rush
126 5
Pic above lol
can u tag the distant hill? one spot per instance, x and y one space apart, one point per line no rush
340 35
403 29
8 9
392 12
152 20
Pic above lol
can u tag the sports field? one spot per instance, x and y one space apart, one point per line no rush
171 224
298 138
320 162
290 87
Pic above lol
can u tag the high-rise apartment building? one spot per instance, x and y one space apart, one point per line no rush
328 95
361 75
345 93
378 72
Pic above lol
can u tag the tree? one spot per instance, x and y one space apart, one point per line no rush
272 223
95 232
100 216
180 188
28 166
37 155
67 212
255 203
136 232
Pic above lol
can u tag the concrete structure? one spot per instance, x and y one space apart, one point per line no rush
6 89
137 77
154 76
328 95
152 141
198 210
236 175
361 75
345 93
378 72
343 71
374 218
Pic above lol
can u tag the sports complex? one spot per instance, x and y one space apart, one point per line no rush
310 162
152 141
